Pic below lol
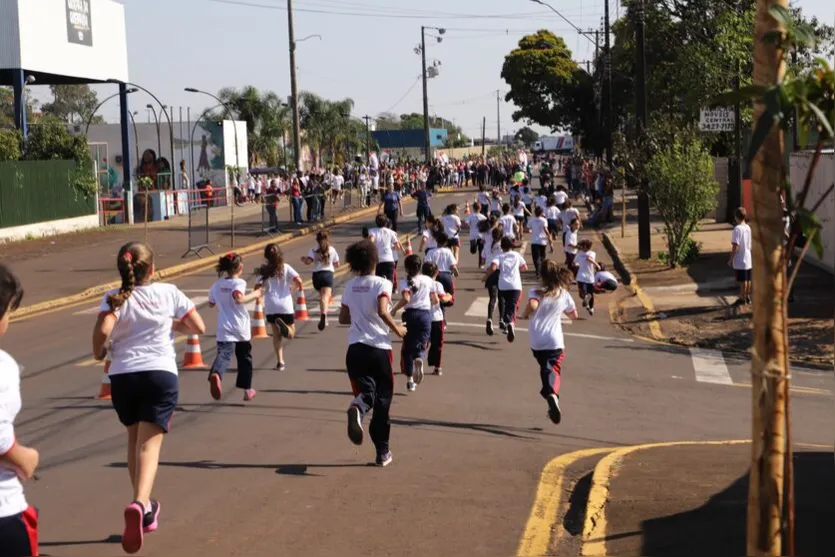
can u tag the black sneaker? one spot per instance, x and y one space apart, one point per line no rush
511 333
150 522
322 322
355 433
502 326
489 327
554 411
384 459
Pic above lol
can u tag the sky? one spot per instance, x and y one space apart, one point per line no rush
367 56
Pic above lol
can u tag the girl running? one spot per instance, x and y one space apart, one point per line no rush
509 266
587 266
492 249
447 266
365 307
474 224
508 222
386 240
18 519
570 241
427 237
483 199
137 321
234 330
418 296
521 214
496 204
567 217
552 215
451 224
436 337
277 279
545 308
325 259
540 238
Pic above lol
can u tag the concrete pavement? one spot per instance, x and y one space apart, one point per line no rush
469 447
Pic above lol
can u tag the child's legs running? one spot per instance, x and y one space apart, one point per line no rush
277 344
510 300
324 299
436 340
363 383
380 427
148 445
550 370
19 534
493 292
243 353
223 358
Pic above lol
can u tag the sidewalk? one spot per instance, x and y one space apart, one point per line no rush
692 306
65 265
691 500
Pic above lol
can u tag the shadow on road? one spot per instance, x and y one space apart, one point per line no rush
283 469
113 538
718 527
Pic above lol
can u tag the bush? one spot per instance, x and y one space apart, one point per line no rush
50 140
682 190
10 145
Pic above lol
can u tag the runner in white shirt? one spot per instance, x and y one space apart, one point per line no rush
740 259
509 265
483 199
325 260
386 240
417 297
452 226
568 215
546 306
560 197
476 240
587 266
570 241
18 519
604 281
234 330
427 237
552 215
508 222
447 266
540 239
365 307
436 336
521 214
496 203
138 322
278 280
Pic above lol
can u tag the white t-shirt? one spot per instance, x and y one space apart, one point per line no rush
430 243
423 286
233 323
360 297
483 198
552 213
567 216
508 223
490 249
526 196
319 264
741 236
278 293
570 240
546 322
542 201
337 182
496 203
451 224
142 339
539 231
510 263
437 312
519 209
603 276
560 196
443 258
384 239
12 500
585 266
473 221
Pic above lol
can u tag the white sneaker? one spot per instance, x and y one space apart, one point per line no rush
410 386
418 373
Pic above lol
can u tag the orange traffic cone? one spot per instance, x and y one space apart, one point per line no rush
259 322
104 389
193 357
408 245
301 307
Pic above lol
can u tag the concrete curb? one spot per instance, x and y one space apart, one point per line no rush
622 268
594 525
191 266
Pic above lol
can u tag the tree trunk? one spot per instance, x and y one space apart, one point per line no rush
768 364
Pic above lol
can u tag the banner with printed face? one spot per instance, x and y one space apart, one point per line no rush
79 22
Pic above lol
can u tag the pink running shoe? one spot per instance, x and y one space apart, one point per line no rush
132 537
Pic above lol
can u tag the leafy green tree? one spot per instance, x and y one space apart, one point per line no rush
10 145
266 117
527 136
73 104
682 189
50 140
7 109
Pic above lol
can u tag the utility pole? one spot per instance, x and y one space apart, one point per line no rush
597 41
483 136
426 143
735 174
367 119
294 89
644 240
607 97
499 116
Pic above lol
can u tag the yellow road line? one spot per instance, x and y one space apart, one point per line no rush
646 301
594 526
536 538
798 390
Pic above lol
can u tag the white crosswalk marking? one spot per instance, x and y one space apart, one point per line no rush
710 367
479 309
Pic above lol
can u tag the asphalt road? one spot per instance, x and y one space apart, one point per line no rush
279 474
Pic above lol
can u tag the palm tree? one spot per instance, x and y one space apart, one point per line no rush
329 129
266 118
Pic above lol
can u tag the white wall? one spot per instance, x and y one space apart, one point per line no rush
51 228
824 178
44 45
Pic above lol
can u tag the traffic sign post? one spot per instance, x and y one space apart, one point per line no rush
716 120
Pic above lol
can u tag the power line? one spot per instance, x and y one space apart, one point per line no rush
403 98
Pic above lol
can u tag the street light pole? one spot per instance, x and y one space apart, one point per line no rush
93 114
607 98
644 240
294 89
156 121
426 142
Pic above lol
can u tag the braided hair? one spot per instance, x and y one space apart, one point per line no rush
135 262
413 267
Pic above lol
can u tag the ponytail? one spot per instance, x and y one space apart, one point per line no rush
413 265
274 267
324 251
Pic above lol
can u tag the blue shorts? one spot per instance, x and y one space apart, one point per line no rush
145 396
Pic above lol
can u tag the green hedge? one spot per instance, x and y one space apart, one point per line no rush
40 191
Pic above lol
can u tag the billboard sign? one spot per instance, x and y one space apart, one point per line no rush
716 120
79 22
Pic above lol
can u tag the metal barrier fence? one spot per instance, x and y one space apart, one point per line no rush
112 210
199 205
40 191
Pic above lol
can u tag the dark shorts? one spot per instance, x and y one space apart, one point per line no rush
742 276
322 279
454 242
288 318
553 226
145 396
19 533
386 270
476 245
519 219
